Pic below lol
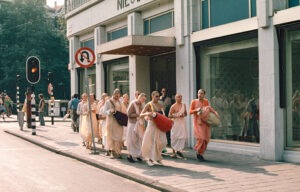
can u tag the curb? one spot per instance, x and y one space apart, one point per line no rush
122 173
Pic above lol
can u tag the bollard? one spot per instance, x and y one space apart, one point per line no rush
21 119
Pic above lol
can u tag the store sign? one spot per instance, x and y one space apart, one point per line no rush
121 4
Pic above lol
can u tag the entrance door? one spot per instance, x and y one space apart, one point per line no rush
163 73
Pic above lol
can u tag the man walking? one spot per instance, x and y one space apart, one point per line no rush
73 111
201 128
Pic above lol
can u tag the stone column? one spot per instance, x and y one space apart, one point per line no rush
74 44
138 65
271 115
99 38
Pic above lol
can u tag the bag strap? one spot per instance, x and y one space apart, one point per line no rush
112 103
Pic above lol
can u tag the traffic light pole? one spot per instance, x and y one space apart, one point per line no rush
33 111
52 107
28 107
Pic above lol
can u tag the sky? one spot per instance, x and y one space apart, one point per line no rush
51 2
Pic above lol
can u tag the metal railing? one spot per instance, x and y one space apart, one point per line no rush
74 4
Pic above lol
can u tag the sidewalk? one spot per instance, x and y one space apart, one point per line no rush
221 172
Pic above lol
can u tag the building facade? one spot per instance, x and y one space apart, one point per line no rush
245 54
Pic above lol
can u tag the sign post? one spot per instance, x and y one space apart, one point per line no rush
85 58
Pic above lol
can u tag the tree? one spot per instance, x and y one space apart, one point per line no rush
27 30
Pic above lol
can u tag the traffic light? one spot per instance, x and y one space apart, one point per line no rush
33 70
50 77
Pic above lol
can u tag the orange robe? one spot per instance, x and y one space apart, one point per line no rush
201 128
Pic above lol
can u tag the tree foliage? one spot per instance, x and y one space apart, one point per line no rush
26 29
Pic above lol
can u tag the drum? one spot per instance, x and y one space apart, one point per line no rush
162 122
209 117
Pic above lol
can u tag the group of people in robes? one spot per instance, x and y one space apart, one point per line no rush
143 139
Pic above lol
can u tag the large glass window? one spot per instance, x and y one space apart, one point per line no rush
158 23
117 75
218 12
88 43
228 71
293 3
292 60
116 34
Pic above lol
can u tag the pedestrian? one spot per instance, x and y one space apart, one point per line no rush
201 128
2 109
154 139
165 100
73 111
41 109
179 130
113 128
125 103
85 121
8 103
136 94
100 116
135 128
94 116
103 116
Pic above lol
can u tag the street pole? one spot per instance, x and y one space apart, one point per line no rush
20 113
33 112
50 79
18 93
90 111
52 106
28 107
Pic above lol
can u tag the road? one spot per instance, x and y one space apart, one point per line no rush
29 168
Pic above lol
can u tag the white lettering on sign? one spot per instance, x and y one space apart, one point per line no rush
121 4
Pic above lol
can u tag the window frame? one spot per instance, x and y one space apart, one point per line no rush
156 16
209 13
109 33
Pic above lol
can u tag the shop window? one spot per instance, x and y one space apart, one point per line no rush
291 44
117 75
218 12
293 3
113 35
158 23
89 43
228 71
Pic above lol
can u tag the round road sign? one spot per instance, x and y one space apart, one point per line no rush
85 57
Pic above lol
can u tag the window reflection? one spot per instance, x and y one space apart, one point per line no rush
230 74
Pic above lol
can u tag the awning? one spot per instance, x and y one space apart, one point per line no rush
138 45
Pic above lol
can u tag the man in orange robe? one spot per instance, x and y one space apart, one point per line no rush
201 128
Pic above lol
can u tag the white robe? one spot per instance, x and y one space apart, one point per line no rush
179 131
135 134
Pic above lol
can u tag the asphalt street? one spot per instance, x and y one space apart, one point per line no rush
28 168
